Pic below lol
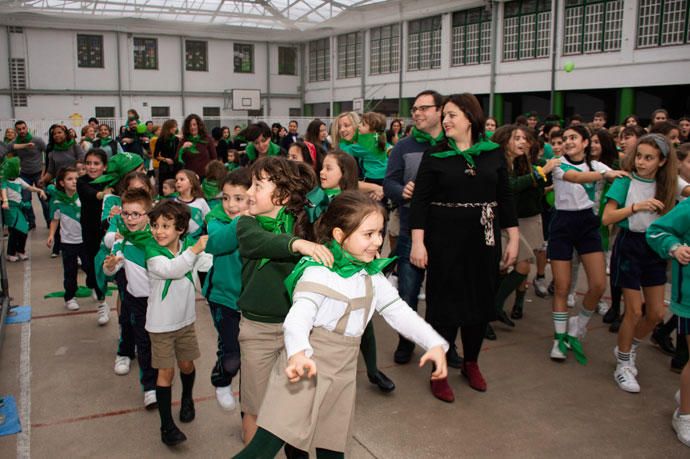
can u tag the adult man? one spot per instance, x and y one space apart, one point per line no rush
30 151
292 137
131 140
398 186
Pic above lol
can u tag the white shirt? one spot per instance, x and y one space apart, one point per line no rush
137 277
682 184
573 196
310 310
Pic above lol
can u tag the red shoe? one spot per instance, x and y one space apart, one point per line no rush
470 370
442 390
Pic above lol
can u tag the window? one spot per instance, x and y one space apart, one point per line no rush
662 23
471 37
243 56
105 112
15 29
145 53
211 117
349 55
424 44
18 82
384 46
196 55
90 51
592 26
319 60
160 112
287 60
526 29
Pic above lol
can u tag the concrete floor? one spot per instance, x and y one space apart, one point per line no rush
533 408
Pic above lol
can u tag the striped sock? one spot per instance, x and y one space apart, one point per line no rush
560 322
623 357
635 344
583 317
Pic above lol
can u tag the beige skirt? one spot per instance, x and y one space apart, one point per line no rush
260 347
315 412
525 252
532 230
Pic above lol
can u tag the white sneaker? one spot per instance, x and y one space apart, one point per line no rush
677 397
12 258
150 399
541 288
225 398
625 378
122 363
571 300
53 255
72 305
556 353
22 256
103 313
633 360
681 424
602 307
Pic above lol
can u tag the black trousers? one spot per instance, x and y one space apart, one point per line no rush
16 242
227 323
472 337
126 345
136 309
70 266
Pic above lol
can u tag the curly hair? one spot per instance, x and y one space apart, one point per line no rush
199 122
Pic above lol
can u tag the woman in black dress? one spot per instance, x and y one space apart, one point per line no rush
461 201
166 153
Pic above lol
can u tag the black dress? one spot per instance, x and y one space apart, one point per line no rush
463 268
167 149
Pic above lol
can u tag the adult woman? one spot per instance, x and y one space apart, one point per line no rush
166 153
490 125
395 133
461 199
10 135
631 120
317 132
106 142
65 153
197 149
88 137
224 144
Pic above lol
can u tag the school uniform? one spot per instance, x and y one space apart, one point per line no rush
14 217
91 227
574 224
199 209
372 160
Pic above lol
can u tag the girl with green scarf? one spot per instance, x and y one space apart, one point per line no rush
105 141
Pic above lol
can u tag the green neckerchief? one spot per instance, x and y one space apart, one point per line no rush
153 249
21 140
7 141
103 141
218 213
231 166
318 200
370 142
172 195
227 141
475 149
69 204
344 265
425 137
210 189
570 343
195 139
273 150
64 146
590 188
139 238
283 223
355 137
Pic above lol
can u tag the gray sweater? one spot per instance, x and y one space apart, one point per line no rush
59 159
31 159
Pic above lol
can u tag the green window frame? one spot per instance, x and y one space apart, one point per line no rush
663 23
384 49
471 37
526 29
424 44
319 60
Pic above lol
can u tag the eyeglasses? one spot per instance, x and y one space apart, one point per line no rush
132 215
421 108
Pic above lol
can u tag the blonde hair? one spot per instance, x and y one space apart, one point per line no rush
335 131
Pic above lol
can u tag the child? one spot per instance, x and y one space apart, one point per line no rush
233 160
169 189
129 252
222 285
81 167
332 303
372 139
215 173
171 315
190 193
634 203
271 240
303 152
575 227
65 209
556 141
12 213
669 236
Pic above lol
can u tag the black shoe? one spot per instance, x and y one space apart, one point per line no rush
610 315
172 436
452 358
616 324
503 318
187 411
663 342
403 354
383 381
490 334
516 313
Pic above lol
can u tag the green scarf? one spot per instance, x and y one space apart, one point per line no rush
210 189
167 196
153 249
26 139
64 146
103 141
318 200
370 142
425 137
68 204
355 137
470 153
283 223
227 141
195 139
273 150
231 166
218 213
139 238
344 265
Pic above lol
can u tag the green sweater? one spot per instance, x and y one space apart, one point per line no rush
663 235
528 191
223 282
264 297
373 164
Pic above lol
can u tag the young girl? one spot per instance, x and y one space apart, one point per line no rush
303 152
233 160
634 203
575 227
331 305
210 186
106 142
374 148
169 189
190 193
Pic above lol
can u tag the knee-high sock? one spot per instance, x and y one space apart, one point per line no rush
163 397
264 445
187 383
368 349
507 286
328 454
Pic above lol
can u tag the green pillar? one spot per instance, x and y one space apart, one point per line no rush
308 110
498 108
404 107
558 104
337 108
626 106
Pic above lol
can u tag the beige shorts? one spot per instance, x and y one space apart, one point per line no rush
260 347
394 222
531 229
525 252
170 347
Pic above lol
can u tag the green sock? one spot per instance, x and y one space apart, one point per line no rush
507 286
328 454
367 347
264 445
519 298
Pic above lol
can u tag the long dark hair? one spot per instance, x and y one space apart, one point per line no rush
609 153
469 105
165 130
521 165
348 168
313 131
199 122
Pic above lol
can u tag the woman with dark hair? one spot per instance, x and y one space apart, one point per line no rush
197 147
275 133
224 144
395 132
462 194
631 120
317 133
65 152
165 152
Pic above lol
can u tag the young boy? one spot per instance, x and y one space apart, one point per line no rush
223 284
129 252
171 314
169 188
